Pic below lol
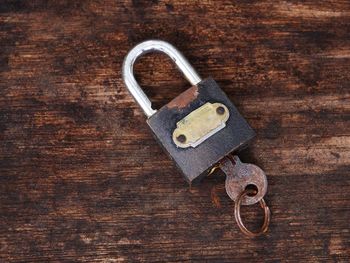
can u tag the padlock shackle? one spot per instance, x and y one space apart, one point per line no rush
147 47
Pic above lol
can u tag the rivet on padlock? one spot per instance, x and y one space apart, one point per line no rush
200 126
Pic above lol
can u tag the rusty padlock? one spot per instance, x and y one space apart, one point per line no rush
199 130
200 126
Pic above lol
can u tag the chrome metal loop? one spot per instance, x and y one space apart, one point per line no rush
147 47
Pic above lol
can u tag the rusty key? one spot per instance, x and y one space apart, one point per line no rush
239 176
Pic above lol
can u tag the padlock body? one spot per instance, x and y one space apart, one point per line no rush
196 162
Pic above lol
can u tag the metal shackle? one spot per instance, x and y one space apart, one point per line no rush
147 47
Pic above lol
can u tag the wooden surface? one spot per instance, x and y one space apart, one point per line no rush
81 177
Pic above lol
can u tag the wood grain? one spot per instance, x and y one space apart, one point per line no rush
81 177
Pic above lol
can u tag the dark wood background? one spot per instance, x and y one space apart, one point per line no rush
81 177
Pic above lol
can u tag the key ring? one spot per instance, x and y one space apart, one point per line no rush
238 218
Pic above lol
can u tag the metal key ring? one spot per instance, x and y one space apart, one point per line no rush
238 218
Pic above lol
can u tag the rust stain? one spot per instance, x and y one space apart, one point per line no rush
184 98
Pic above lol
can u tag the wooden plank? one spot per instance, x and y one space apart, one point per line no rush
82 178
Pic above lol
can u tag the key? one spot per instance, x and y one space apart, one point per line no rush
239 178
241 175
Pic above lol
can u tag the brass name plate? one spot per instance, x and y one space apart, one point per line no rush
200 124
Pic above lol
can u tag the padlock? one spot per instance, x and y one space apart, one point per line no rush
200 126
